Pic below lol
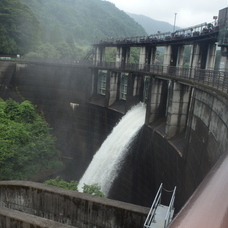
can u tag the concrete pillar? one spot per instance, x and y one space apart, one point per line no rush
204 48
119 56
142 57
96 56
157 100
179 60
194 59
99 55
136 85
177 108
211 55
174 55
203 55
126 55
180 56
195 56
167 58
223 65
113 87
122 56
152 56
147 57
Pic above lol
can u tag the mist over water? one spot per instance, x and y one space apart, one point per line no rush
107 161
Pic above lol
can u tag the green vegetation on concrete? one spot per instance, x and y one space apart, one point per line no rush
93 190
72 185
26 146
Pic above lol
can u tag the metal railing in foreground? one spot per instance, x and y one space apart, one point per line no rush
169 214
151 214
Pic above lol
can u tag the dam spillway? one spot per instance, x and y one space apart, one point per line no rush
107 161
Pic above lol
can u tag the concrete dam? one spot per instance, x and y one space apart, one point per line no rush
182 143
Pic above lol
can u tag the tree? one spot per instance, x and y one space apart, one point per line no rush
46 50
26 146
64 50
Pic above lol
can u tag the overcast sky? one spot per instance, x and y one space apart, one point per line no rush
189 12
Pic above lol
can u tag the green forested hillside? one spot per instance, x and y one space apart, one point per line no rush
82 19
19 28
60 28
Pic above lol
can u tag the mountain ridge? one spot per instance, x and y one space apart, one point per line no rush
151 25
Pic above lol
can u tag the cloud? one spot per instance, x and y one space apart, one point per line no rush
189 13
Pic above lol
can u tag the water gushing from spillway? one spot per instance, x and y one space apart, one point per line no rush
108 160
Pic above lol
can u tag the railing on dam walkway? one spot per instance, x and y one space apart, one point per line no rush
190 33
212 78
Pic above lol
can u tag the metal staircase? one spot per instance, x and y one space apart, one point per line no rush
89 54
160 215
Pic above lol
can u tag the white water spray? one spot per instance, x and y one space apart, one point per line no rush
108 160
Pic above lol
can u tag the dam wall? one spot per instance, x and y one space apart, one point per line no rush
207 134
182 161
64 93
